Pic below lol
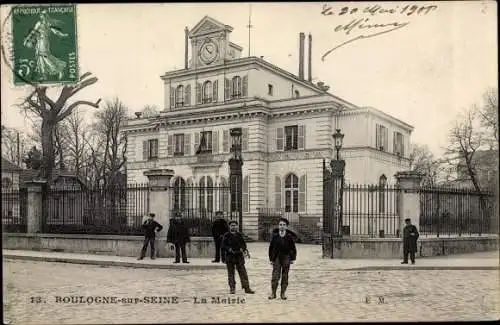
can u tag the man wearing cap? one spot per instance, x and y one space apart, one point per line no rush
150 227
282 253
410 236
234 249
219 228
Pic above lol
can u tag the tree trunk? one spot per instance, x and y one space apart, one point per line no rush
48 149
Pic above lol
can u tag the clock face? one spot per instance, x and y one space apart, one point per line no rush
209 52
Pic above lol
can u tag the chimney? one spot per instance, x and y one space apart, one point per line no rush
309 63
301 56
186 31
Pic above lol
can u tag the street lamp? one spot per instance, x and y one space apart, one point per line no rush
338 138
235 175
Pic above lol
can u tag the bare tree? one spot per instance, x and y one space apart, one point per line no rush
52 112
15 144
150 111
488 115
74 132
108 125
422 160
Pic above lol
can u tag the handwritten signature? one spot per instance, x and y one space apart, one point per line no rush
364 23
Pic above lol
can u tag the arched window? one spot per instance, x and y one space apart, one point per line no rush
291 193
382 183
179 96
206 195
236 87
179 194
207 92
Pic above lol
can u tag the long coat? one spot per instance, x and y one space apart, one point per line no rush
219 228
178 232
282 247
233 247
410 236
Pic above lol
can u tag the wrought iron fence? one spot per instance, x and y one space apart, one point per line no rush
454 211
104 210
200 206
14 210
370 211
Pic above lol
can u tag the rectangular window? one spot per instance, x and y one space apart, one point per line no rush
206 141
270 89
398 144
152 148
291 137
179 144
381 137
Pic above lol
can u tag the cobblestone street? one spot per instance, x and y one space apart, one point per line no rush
313 295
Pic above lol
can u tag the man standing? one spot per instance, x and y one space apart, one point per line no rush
219 228
233 249
150 226
178 234
410 236
282 253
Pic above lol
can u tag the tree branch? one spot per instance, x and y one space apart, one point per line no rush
70 108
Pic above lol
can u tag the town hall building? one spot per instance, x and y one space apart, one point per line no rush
287 123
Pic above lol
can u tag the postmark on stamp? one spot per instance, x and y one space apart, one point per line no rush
44 44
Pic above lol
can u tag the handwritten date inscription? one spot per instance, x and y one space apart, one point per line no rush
361 20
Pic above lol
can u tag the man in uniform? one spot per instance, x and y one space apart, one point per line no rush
150 227
410 236
282 253
233 249
219 228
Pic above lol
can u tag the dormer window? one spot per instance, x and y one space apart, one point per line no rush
207 92
270 89
236 87
297 94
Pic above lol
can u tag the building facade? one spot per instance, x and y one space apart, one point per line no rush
287 124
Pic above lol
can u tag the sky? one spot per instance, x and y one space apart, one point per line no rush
425 73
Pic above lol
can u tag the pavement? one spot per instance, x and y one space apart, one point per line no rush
36 292
308 258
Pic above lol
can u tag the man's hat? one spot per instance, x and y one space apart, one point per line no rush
232 221
407 220
152 215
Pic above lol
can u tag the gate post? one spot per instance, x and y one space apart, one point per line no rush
333 187
409 203
34 215
159 203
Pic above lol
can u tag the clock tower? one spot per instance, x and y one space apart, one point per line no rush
210 43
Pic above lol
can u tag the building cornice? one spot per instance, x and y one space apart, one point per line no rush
387 117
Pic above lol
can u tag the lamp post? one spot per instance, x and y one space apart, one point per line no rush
236 177
338 167
338 138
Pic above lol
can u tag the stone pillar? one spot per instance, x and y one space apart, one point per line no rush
409 198
35 218
159 203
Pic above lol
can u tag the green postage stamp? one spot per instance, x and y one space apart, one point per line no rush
44 44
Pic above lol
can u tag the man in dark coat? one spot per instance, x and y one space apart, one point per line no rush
178 234
219 228
282 253
150 227
410 236
233 249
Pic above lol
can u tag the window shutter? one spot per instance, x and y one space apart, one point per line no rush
225 141
302 193
277 193
215 141
198 93
187 95
172 97
244 87
246 195
244 139
215 91
386 140
187 144
394 142
301 140
377 136
145 150
196 141
280 135
402 145
227 89
170 145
